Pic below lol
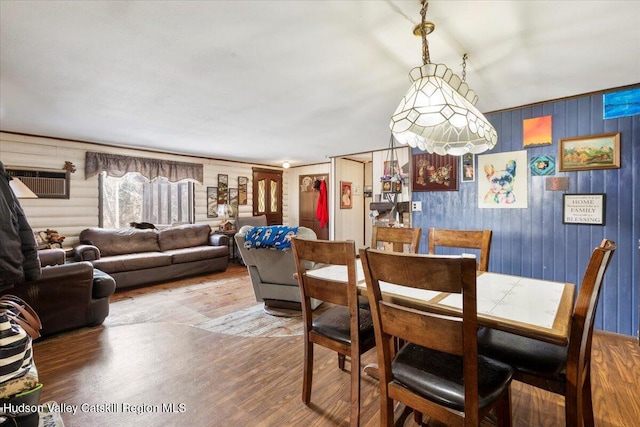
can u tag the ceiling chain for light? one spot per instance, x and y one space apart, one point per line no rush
438 113
464 67
426 58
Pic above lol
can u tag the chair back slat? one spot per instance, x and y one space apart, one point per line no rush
401 269
442 333
398 237
326 252
325 290
464 239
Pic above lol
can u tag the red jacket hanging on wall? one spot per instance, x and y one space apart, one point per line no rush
322 212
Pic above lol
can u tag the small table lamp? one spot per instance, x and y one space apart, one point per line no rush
225 211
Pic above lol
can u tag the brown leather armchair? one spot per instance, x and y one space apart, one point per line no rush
66 296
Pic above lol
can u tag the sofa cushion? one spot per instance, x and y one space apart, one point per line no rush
121 241
199 253
129 262
184 236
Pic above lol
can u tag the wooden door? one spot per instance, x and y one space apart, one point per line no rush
267 195
309 204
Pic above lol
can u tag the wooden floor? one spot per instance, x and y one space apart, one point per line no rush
164 373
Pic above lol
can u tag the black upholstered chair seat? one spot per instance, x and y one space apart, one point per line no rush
525 355
363 302
439 376
334 324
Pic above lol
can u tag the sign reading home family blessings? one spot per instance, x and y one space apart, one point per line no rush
583 209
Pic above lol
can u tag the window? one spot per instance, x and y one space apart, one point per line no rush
133 198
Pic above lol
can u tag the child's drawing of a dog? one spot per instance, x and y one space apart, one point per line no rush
501 184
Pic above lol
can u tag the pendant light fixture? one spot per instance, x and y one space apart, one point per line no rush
438 113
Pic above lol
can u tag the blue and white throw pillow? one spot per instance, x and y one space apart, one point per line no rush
273 236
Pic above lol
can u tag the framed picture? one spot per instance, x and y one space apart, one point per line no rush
223 189
243 183
543 165
583 209
346 201
389 186
212 202
503 180
390 167
536 131
233 201
432 172
590 152
560 183
468 167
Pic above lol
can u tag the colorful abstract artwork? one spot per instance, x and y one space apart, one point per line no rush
543 165
536 131
621 104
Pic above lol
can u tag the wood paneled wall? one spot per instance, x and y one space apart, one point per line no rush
80 211
534 242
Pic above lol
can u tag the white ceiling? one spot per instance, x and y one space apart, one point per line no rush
268 81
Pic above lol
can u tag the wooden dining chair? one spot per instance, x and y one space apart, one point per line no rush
564 370
398 237
438 371
465 239
344 328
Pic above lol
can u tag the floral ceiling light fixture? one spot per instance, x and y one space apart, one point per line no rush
438 113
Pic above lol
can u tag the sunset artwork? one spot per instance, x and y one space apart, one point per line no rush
536 131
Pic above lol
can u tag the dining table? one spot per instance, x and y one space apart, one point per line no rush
534 308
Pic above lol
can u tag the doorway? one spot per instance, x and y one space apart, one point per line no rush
267 195
309 198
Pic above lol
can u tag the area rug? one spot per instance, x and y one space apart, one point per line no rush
223 305
254 322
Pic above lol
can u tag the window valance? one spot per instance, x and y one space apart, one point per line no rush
118 166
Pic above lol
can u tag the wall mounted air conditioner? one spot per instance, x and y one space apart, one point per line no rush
46 183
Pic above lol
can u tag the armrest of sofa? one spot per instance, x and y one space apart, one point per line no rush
50 257
67 273
103 284
63 297
218 240
86 253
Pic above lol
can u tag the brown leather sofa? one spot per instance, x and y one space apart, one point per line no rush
66 296
136 257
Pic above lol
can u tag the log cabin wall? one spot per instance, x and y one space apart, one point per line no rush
534 242
80 211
